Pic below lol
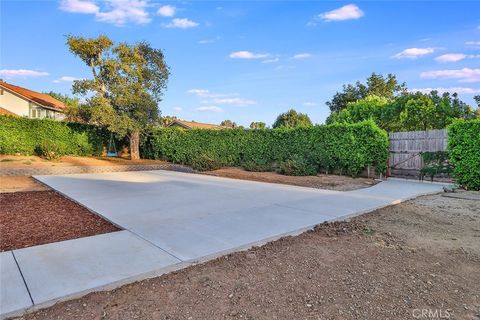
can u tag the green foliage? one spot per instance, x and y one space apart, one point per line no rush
297 166
258 125
257 165
348 148
127 84
464 152
435 163
408 112
378 85
292 119
229 124
204 162
49 150
50 138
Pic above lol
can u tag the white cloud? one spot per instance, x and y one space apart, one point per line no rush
459 90
413 53
348 12
209 108
451 57
271 60
234 102
181 23
178 109
79 6
248 55
455 57
302 56
118 12
463 75
472 43
22 73
204 93
310 104
285 67
65 79
167 11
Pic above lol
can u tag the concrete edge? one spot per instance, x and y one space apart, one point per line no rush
192 262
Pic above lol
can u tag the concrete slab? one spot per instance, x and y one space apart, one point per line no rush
14 296
192 216
67 269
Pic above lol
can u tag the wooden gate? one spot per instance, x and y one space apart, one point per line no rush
406 147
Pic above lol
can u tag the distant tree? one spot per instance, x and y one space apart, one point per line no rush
418 114
166 120
257 125
126 86
477 100
385 87
228 124
292 119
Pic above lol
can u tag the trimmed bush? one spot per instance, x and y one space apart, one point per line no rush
205 162
464 152
297 166
345 148
50 138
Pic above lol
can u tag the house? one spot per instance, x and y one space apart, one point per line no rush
15 100
193 125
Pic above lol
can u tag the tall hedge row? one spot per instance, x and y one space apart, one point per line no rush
24 136
348 148
464 152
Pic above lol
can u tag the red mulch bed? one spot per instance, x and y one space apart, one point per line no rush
33 218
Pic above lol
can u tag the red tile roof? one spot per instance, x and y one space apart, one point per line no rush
194 125
42 99
5 112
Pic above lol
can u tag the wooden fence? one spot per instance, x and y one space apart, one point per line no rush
406 147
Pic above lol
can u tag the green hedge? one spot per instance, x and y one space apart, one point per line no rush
464 152
347 148
25 136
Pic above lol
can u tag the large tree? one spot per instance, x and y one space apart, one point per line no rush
292 119
378 85
126 86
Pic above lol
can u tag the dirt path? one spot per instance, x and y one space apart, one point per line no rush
321 181
20 184
11 161
389 264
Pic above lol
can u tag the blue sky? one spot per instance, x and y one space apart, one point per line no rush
251 60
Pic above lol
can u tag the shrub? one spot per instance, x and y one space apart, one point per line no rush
49 150
297 166
348 148
464 152
257 165
205 162
32 136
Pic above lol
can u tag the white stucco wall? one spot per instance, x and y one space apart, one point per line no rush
14 103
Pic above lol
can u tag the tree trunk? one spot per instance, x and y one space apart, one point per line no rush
135 145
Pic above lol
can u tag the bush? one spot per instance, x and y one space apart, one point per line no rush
45 136
464 152
297 166
205 162
348 148
49 150
257 165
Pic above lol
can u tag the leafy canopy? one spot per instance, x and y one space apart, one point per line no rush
126 86
387 87
292 119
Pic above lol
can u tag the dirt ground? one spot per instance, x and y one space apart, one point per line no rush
39 217
321 181
393 263
20 184
11 161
